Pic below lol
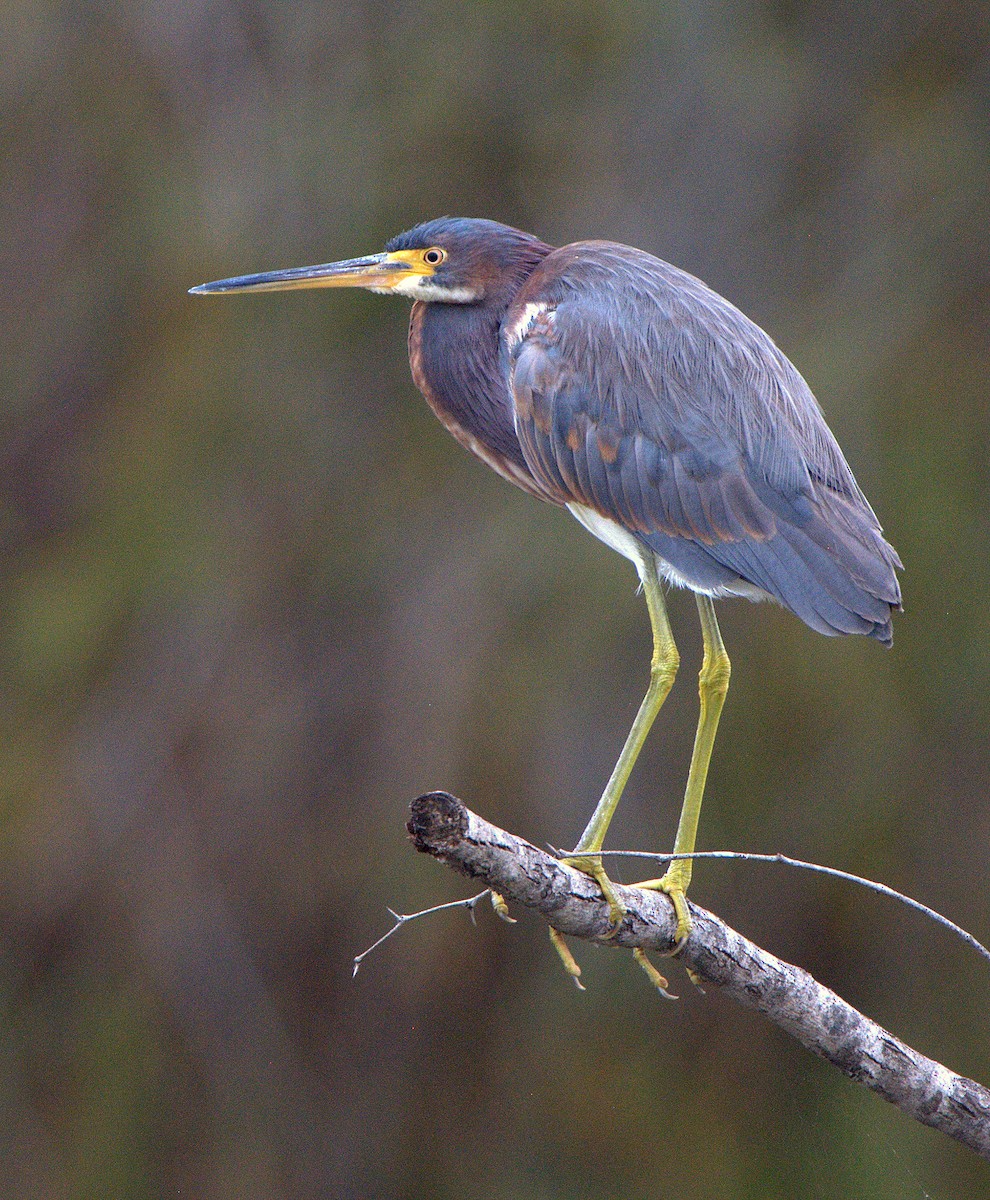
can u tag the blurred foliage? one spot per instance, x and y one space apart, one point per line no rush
255 600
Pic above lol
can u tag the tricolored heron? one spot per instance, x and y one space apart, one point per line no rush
598 378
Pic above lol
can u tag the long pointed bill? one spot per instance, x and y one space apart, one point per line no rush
378 272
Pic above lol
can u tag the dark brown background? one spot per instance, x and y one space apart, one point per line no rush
254 600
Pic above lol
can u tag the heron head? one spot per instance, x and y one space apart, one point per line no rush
452 260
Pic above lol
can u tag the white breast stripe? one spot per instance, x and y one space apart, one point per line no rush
515 332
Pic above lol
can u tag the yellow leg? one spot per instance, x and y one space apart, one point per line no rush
663 668
713 683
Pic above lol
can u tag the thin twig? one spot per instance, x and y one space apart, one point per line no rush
787 861
403 918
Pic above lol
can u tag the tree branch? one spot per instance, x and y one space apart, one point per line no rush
822 1021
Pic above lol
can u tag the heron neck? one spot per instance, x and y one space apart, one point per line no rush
454 356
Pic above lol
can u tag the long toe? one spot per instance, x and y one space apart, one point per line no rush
592 866
672 885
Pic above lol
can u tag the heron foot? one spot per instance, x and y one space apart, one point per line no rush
566 957
654 976
501 908
593 866
674 885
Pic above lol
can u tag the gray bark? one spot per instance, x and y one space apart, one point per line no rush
572 903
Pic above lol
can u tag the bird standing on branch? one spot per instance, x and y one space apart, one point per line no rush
598 378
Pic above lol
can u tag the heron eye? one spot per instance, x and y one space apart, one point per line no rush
434 256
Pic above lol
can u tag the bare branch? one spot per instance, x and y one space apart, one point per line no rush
571 902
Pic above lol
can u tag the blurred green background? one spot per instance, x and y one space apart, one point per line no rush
254 599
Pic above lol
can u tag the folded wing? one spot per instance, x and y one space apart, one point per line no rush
642 395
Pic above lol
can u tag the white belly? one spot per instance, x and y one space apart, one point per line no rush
623 542
612 534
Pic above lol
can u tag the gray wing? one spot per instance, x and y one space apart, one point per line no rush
643 395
